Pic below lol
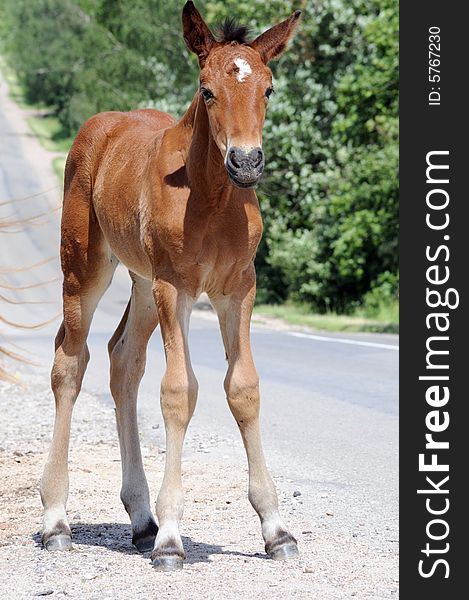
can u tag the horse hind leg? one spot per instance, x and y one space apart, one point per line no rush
127 351
88 267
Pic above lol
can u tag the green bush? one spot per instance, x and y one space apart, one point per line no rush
329 195
383 298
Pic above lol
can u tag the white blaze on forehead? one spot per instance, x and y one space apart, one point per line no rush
244 69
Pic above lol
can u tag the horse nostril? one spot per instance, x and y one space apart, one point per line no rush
256 157
239 159
233 160
260 158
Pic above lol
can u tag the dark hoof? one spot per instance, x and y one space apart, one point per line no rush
145 540
284 552
58 543
167 563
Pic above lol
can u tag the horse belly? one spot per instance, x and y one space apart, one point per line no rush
137 262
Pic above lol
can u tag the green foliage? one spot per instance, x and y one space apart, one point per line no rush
329 196
384 321
84 57
383 297
330 193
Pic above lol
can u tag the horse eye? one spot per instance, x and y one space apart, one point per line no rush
207 94
269 91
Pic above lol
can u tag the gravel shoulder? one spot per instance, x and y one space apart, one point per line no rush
220 531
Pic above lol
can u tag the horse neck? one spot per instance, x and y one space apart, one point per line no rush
204 164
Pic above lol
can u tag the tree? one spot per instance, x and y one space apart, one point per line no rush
329 194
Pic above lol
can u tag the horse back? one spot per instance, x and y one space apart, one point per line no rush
111 131
105 175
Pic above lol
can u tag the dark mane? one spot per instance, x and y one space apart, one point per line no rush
231 31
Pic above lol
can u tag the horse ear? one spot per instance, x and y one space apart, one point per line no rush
197 35
273 42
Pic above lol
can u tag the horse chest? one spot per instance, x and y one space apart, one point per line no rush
209 253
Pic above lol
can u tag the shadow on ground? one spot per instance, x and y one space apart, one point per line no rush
117 537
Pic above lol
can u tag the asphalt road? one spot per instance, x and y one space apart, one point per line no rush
329 406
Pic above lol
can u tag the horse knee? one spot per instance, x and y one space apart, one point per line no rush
178 398
242 393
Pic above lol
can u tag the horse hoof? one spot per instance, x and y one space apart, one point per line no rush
58 543
144 540
167 563
285 552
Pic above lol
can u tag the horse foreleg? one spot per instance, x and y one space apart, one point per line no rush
178 398
242 392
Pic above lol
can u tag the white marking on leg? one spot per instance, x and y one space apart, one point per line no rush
244 69
271 526
52 516
168 533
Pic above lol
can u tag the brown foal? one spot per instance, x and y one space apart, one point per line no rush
174 202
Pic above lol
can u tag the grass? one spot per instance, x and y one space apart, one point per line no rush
48 130
386 320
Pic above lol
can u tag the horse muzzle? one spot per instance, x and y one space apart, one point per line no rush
244 166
